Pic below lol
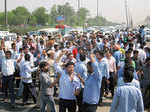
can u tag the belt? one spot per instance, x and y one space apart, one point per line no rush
84 103
8 75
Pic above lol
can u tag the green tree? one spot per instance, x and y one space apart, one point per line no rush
21 15
82 14
2 18
41 16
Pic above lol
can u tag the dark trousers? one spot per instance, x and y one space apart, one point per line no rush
146 97
8 83
79 101
89 107
112 83
67 104
27 90
103 88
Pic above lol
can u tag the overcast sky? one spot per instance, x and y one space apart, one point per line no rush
111 9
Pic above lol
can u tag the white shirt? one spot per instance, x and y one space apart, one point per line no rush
26 71
142 55
8 65
112 64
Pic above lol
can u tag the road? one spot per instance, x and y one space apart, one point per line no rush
5 107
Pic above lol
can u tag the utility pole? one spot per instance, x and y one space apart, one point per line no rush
6 21
97 8
126 10
78 4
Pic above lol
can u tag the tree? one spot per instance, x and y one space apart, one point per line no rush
20 16
41 16
82 14
99 21
2 18
53 15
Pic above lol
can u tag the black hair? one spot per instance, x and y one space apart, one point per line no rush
69 63
13 44
32 48
55 46
89 63
135 51
128 75
27 57
42 65
8 52
82 57
25 47
101 53
41 41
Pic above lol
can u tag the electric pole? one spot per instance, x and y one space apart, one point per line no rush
78 4
97 8
126 10
6 22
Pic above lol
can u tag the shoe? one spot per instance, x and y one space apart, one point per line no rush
24 103
5 100
13 106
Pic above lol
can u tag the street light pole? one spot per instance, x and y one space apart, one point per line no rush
126 11
6 22
78 4
97 8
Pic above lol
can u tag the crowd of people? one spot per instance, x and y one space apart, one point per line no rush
85 67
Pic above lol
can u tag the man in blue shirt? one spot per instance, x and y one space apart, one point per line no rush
92 85
127 98
104 68
80 68
69 85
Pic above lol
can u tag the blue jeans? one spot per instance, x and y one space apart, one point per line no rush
47 100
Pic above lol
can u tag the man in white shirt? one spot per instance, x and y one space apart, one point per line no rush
8 69
26 74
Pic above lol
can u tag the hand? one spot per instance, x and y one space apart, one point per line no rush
21 55
77 92
107 81
79 76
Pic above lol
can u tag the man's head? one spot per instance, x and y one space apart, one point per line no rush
89 67
44 66
82 57
128 54
128 76
99 54
8 54
13 45
27 57
135 53
70 67
25 49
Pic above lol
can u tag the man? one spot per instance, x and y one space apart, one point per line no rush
91 93
69 85
112 71
46 89
146 83
127 98
8 69
26 74
80 68
104 68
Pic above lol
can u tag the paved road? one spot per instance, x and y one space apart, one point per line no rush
5 107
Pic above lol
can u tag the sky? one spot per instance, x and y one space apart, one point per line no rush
113 10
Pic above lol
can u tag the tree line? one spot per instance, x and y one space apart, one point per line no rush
40 16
